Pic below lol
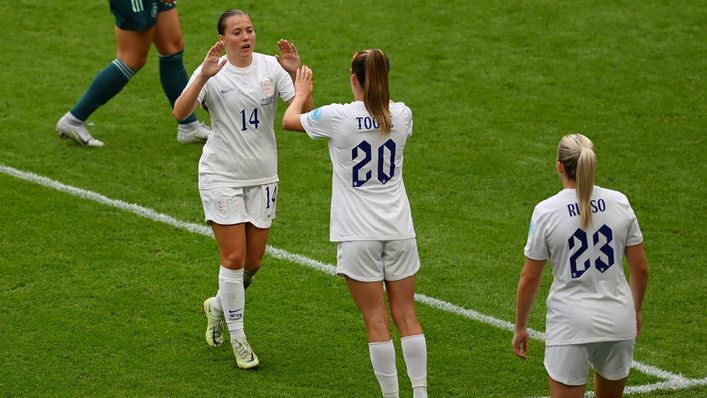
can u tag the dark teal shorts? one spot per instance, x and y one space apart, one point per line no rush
137 15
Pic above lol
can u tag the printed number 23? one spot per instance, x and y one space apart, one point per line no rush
387 149
606 249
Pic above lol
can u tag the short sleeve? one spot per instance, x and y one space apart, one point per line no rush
319 123
634 237
285 88
409 118
536 246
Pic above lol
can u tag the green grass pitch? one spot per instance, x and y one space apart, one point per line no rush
98 301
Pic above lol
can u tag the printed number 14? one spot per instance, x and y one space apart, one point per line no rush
252 119
270 197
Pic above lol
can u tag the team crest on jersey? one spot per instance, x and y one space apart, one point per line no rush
222 207
267 87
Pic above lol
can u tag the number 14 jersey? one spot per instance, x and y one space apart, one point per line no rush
589 300
241 149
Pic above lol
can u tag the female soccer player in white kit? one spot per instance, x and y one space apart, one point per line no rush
370 212
238 166
593 315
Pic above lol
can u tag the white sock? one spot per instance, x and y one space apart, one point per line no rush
232 297
216 306
415 354
383 361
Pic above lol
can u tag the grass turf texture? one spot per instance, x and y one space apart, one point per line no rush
96 301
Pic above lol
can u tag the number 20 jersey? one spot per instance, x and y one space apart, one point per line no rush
589 300
368 199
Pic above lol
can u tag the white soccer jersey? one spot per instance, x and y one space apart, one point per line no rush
368 200
589 300
241 149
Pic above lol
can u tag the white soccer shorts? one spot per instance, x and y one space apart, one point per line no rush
569 364
372 261
229 206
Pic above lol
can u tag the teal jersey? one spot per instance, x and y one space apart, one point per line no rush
137 15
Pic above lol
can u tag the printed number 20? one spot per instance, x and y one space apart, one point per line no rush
388 148
606 248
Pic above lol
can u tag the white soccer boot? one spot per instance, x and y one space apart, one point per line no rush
245 357
71 127
192 132
214 324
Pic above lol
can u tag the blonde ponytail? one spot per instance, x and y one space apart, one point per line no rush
576 152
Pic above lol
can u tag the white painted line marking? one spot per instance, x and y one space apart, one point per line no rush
671 381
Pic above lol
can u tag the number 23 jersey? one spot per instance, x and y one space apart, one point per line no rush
368 199
589 300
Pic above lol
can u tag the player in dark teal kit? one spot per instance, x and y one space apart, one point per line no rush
138 24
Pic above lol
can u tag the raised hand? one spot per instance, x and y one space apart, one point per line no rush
288 57
213 63
304 82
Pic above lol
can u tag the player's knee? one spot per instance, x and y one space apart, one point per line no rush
233 260
167 48
405 319
134 61
377 325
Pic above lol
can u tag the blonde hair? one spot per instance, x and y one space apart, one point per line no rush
371 69
576 152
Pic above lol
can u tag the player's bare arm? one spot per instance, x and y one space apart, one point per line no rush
187 103
304 85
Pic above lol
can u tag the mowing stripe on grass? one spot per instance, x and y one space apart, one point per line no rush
671 381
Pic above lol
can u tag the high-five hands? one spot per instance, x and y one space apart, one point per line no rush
304 82
288 57
213 63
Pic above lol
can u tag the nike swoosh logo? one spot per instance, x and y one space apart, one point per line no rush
226 91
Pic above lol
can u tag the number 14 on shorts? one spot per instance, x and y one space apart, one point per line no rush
270 195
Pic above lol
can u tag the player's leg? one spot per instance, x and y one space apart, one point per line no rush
369 298
605 388
133 36
567 368
401 262
560 390
256 242
612 364
231 243
261 205
169 42
402 307
401 296
224 210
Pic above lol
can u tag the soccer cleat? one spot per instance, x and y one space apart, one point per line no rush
71 127
245 357
192 132
214 326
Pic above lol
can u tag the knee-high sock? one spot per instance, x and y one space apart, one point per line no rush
105 86
383 361
173 77
415 354
232 296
